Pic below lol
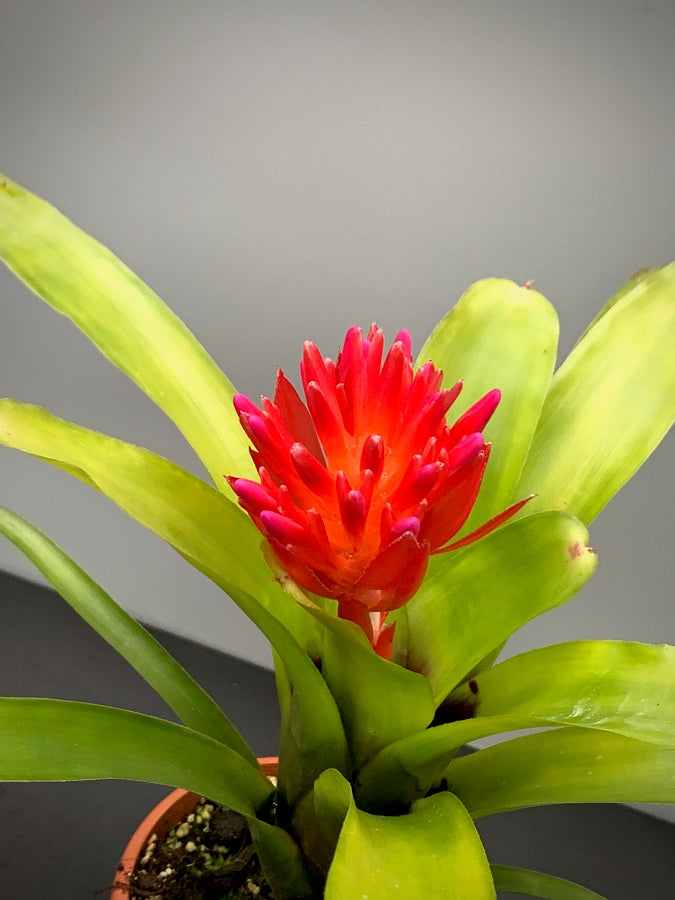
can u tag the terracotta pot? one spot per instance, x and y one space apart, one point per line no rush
160 821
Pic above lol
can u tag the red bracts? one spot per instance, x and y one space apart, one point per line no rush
360 483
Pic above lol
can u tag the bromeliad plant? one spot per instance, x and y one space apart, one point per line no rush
402 562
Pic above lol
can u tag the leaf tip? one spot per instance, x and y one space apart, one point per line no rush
577 549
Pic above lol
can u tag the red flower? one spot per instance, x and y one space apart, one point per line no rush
360 484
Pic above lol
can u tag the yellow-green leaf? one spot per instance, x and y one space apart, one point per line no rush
610 403
568 765
128 322
209 531
538 884
473 599
625 688
620 686
62 740
432 851
133 642
379 701
499 335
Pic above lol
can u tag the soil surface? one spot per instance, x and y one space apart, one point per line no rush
207 856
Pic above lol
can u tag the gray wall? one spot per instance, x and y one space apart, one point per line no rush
280 170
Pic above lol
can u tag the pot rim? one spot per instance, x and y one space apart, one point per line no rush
160 820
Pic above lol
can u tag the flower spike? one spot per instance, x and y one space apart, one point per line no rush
365 479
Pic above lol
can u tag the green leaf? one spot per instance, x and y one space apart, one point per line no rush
319 816
642 275
408 769
619 686
433 851
499 335
610 403
566 765
625 688
61 740
211 533
140 649
537 884
189 514
128 323
281 861
379 701
473 599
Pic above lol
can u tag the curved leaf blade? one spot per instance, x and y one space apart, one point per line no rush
625 688
133 642
199 523
566 765
128 322
186 512
620 686
281 861
635 279
408 769
432 851
473 599
498 335
60 740
379 701
319 816
538 884
610 403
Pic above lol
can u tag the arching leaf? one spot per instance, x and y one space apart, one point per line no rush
537 884
498 335
201 524
610 403
128 322
133 642
38 739
566 765
433 851
625 688
619 686
473 599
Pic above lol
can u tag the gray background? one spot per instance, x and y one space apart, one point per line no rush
281 170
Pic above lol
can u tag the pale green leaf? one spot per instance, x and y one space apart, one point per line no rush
408 769
61 740
379 701
473 599
128 322
566 765
281 861
538 884
318 818
182 509
610 403
619 686
625 688
635 279
140 649
499 335
211 533
432 851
